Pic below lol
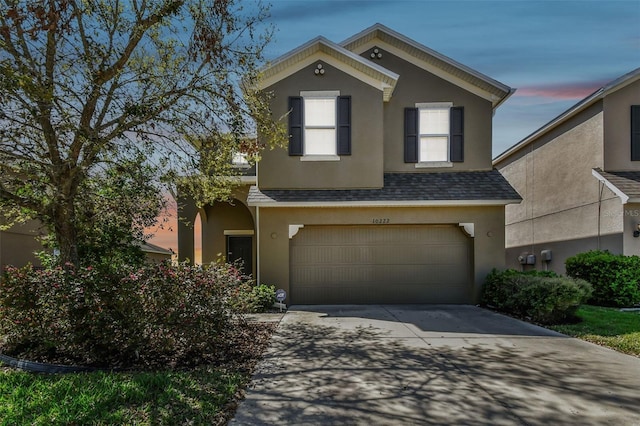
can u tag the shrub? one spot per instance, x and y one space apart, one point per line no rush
263 297
615 278
250 298
542 296
155 315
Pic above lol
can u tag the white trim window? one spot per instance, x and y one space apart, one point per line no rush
320 118
433 128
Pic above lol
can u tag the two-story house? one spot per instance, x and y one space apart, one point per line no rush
386 192
579 176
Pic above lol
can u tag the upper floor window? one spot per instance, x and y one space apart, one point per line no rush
434 134
320 125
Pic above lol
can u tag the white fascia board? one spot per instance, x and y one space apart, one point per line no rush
347 204
419 46
336 56
624 198
439 72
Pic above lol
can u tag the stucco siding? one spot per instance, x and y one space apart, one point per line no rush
560 195
361 169
417 86
561 250
617 128
18 245
631 222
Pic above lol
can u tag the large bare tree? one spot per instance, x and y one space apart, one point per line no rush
86 84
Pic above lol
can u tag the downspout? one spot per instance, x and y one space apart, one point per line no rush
258 245
601 184
257 229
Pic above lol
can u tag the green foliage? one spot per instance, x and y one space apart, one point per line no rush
607 327
87 86
250 298
615 278
263 297
199 396
543 296
154 315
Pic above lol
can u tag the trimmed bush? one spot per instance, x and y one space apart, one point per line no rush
156 315
543 297
615 278
262 297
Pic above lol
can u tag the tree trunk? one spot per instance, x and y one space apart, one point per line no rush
66 234
64 216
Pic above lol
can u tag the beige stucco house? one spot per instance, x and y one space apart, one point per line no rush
19 244
579 176
386 192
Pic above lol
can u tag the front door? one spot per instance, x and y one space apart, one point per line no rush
239 250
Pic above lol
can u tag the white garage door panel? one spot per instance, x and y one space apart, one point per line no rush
380 264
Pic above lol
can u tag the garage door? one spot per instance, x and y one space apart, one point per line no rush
381 264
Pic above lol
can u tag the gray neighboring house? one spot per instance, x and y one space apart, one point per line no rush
385 193
579 176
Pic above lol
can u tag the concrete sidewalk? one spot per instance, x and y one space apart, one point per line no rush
434 365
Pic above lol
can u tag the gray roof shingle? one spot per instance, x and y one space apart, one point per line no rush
627 182
403 187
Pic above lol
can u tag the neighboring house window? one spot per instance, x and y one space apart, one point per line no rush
635 132
240 160
320 124
434 133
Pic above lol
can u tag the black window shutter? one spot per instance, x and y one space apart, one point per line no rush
296 126
411 135
635 132
344 125
456 135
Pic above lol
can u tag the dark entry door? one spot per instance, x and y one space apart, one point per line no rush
239 250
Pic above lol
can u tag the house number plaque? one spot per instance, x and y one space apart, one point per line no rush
381 220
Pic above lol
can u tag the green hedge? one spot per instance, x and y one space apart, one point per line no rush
615 278
543 297
155 315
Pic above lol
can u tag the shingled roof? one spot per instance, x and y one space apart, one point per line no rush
624 184
479 187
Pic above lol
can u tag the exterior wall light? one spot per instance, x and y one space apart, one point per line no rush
636 232
319 70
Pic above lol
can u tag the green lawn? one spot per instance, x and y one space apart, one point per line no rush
197 397
607 327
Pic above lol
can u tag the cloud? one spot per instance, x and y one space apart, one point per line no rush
561 90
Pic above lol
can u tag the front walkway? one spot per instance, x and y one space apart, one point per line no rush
434 365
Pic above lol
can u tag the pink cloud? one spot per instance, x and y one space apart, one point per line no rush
561 91
165 232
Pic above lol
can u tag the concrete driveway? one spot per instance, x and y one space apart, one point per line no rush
427 364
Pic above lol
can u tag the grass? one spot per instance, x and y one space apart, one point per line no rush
199 397
607 327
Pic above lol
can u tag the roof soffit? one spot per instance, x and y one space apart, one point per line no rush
320 49
429 60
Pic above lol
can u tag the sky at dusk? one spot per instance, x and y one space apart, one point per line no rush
554 52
